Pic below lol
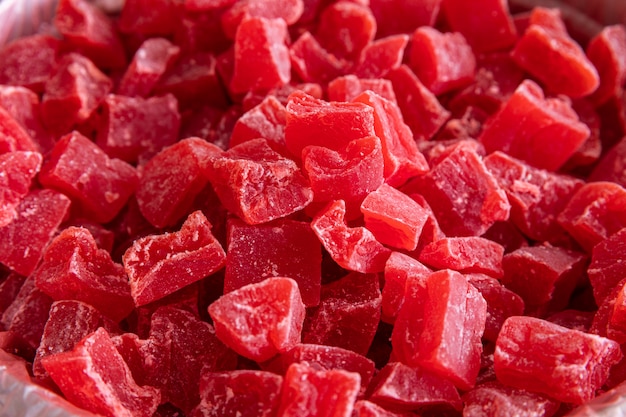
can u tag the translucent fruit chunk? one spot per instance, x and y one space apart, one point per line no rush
94 376
159 265
260 320
539 356
19 169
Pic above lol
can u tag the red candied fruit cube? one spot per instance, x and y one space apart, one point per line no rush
94 376
154 263
544 276
73 92
348 314
19 169
393 217
134 129
446 188
345 29
399 388
243 393
68 323
615 328
282 93
260 320
594 212
610 168
607 51
99 185
86 29
381 56
453 311
349 87
287 10
261 55
493 399
311 121
172 179
258 184
313 63
351 173
192 80
537 196
607 269
399 269
267 120
442 61
26 316
548 53
421 110
464 254
542 357
487 24
286 248
22 242
74 268
13 136
307 390
501 303
9 288
544 132
150 62
148 17
353 248
326 358
29 61
399 16
180 349
403 160
24 106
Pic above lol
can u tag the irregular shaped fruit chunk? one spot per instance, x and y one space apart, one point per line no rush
100 185
134 129
607 269
545 132
316 122
260 320
399 16
394 218
442 61
537 196
353 248
313 63
29 61
447 187
399 269
87 30
172 179
539 356
381 56
73 93
261 55
243 393
307 390
349 87
594 212
349 174
348 314
544 276
400 388
464 254
22 242
94 376
13 136
287 10
68 323
151 60
257 183
403 160
285 248
159 265
19 169
548 53
487 24
267 120
493 399
607 51
74 268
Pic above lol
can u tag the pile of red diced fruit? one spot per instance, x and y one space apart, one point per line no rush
314 208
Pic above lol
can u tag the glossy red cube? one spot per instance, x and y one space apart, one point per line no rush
464 254
29 61
19 169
